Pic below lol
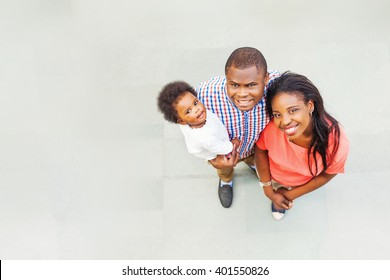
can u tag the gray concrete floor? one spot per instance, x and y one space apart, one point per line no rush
90 170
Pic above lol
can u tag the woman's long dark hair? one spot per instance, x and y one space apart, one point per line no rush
323 124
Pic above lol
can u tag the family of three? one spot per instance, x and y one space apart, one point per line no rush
275 123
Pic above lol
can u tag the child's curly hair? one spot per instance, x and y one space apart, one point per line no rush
169 96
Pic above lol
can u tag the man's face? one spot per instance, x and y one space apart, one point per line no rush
245 88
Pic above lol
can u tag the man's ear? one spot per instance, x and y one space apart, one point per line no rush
179 121
266 78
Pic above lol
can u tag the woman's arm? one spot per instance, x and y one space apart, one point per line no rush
315 183
263 172
262 165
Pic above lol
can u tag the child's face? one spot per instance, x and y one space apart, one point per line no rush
245 88
292 115
190 110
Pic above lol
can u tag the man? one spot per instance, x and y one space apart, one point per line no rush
238 99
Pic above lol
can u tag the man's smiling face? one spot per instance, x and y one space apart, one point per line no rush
245 87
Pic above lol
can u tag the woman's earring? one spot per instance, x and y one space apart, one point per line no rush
311 113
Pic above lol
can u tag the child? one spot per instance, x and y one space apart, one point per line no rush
205 135
302 148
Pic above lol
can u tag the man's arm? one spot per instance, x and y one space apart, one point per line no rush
222 162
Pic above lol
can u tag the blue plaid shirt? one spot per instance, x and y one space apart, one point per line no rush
244 125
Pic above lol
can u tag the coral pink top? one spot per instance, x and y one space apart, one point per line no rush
289 163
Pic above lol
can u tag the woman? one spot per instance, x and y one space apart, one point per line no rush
302 148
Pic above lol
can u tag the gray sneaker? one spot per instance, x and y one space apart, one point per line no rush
225 194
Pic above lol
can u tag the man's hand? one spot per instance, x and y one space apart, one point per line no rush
236 144
222 162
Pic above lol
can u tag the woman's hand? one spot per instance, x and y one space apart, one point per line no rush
280 201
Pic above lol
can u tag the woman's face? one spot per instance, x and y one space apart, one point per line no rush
292 115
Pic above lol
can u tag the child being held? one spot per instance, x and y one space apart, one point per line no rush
205 135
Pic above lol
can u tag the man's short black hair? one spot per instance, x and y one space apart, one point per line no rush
246 57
